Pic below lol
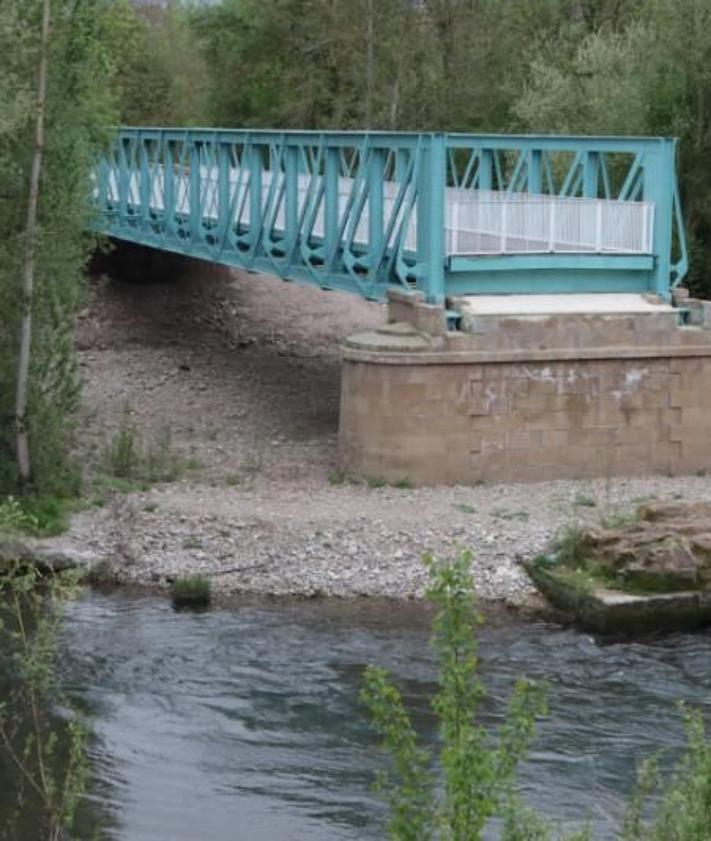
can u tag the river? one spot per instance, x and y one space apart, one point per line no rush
243 722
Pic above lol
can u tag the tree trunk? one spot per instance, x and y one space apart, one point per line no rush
369 62
23 362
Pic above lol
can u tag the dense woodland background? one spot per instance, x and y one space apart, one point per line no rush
580 66
577 66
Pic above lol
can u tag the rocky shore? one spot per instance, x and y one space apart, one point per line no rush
344 540
244 372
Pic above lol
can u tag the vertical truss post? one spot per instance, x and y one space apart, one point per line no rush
291 198
376 174
430 218
402 161
223 189
330 214
194 191
144 183
534 172
123 177
169 220
102 200
591 162
486 168
255 194
659 188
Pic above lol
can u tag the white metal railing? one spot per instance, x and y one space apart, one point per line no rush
478 222
492 222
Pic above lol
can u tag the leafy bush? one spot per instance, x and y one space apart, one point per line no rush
48 755
684 811
13 517
478 771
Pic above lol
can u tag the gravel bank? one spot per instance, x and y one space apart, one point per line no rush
244 371
345 540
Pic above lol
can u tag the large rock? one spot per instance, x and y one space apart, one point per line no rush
668 548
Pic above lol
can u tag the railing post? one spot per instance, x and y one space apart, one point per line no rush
376 174
430 218
659 189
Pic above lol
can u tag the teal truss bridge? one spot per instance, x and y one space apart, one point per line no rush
444 214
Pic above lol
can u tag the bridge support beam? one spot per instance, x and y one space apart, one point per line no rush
522 397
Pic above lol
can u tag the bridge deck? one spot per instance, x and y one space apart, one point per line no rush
444 214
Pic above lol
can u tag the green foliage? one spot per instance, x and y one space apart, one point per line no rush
47 515
49 756
569 550
684 810
649 73
13 517
192 591
478 771
164 78
79 112
40 516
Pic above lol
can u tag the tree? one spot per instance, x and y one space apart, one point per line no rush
45 243
28 275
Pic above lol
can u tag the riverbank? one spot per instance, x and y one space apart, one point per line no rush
243 372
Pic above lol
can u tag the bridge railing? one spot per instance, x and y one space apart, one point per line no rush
366 211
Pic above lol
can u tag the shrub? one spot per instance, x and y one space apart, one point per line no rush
129 457
569 549
48 754
478 771
684 811
13 516
192 591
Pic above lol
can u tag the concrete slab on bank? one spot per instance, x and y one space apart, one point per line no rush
545 305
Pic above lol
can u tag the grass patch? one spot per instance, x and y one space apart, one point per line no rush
506 514
192 543
340 477
569 547
619 519
191 591
232 480
583 501
130 458
464 508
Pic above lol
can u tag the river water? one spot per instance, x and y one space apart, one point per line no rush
243 722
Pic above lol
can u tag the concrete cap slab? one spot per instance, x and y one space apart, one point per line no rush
592 304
